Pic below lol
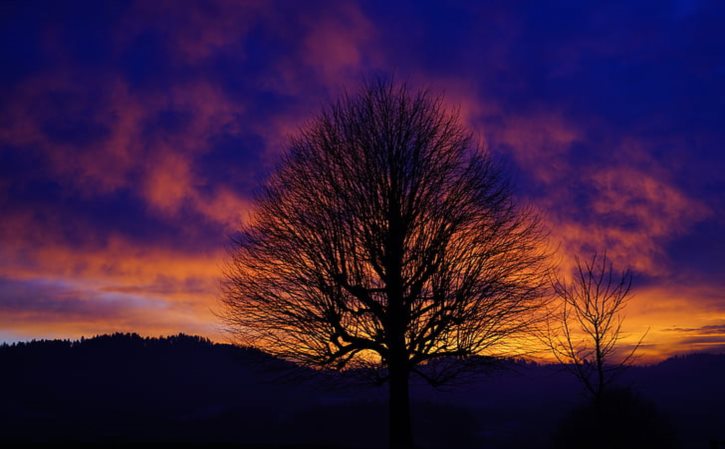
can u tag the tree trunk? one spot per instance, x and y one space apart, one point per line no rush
400 431
600 366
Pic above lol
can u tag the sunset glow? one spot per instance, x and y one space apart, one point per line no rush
133 136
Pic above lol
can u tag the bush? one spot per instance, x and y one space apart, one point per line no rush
620 419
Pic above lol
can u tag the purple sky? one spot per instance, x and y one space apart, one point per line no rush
132 135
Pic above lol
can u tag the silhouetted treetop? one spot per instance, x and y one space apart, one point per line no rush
587 337
384 205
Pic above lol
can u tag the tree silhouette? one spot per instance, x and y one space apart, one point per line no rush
385 237
590 323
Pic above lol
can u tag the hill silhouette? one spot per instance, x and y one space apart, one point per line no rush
126 389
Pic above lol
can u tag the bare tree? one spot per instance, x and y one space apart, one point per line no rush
385 236
590 323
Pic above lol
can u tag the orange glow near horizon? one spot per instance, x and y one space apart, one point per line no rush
155 292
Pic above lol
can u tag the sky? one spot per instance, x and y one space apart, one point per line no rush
133 135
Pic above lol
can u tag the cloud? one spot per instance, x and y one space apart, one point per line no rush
154 139
338 44
197 31
707 330
130 145
614 197
51 309
705 341
659 308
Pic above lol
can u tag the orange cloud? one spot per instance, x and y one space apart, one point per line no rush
111 161
168 182
338 44
115 286
631 214
674 315
625 204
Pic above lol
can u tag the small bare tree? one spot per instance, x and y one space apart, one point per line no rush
589 323
386 236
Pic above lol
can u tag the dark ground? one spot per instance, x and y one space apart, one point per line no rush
124 390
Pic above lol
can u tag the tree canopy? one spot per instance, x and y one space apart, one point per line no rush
386 235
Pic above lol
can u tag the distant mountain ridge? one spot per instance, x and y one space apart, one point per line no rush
125 388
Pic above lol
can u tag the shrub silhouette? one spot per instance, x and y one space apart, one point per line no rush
620 419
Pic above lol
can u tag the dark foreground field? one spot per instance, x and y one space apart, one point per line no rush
183 391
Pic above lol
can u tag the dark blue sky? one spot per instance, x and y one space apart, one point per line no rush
133 133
